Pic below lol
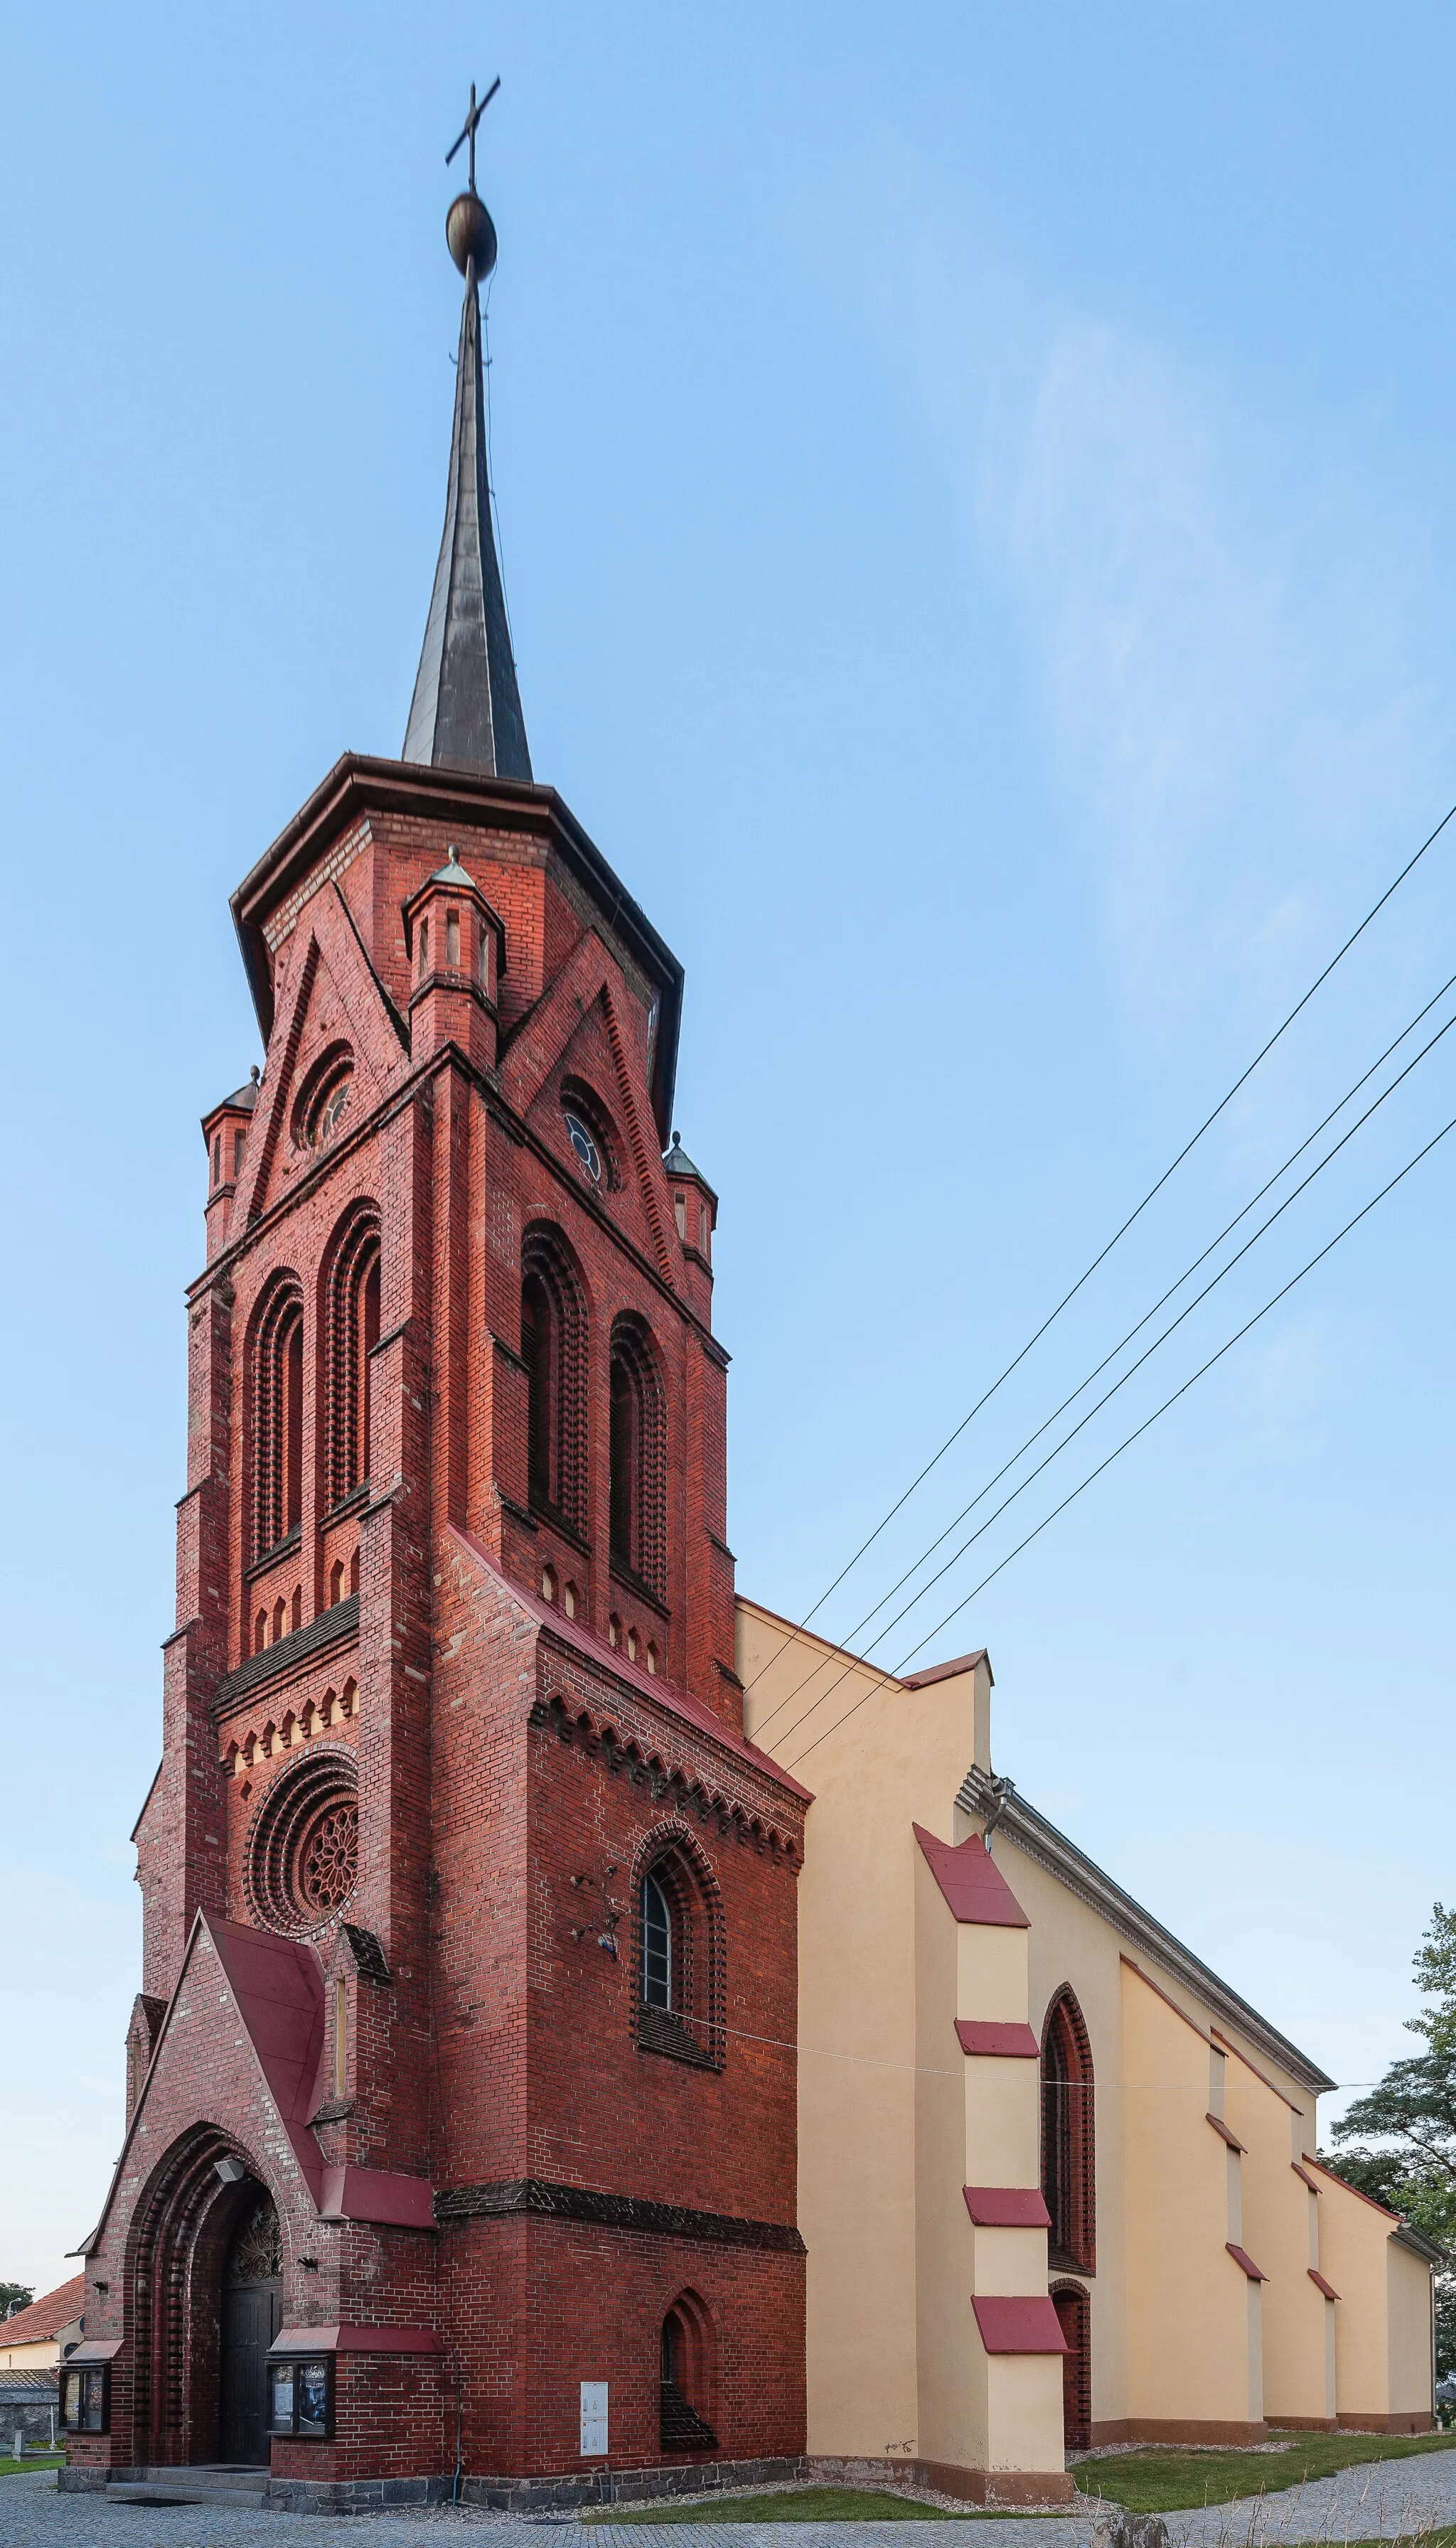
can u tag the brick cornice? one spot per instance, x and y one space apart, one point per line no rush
507 2197
335 1627
359 784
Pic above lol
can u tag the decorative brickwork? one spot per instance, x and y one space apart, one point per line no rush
452 1677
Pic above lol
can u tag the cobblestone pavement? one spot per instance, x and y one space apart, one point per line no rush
1389 2499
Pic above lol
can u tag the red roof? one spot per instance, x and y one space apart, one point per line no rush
46 2315
1007 2207
1017 2323
972 1882
278 1985
1001 2039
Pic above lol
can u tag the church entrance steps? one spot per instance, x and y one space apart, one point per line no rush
245 2488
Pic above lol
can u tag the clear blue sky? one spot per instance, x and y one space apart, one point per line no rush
977 511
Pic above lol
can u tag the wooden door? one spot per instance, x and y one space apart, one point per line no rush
251 2317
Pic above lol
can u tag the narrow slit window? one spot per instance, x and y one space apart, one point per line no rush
657 1944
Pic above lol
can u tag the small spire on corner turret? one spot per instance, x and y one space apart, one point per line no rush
466 711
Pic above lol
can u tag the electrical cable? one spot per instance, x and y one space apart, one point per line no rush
1032 1438
1153 1190
885 1678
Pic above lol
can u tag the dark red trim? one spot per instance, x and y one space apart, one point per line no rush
1018 2322
972 1884
1007 2207
1321 2283
1241 2256
1224 2132
998 2037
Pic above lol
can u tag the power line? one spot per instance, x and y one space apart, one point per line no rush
1085 1384
1118 1234
883 1679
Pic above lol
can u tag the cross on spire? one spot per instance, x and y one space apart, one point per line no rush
467 130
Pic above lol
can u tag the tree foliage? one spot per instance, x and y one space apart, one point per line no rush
13 2297
1399 2141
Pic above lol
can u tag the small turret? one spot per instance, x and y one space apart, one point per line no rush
695 1211
225 1132
457 955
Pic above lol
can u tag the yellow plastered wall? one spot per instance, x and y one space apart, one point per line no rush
1354 2237
1188 2306
867 2133
1409 2313
1276 2208
950 2419
1070 1943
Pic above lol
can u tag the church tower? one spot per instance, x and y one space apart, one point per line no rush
461 2089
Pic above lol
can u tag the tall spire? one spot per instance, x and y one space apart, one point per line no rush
466 709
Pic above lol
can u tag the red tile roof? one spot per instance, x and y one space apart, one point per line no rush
46 2315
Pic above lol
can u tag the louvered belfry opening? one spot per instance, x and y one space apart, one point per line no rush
553 1346
637 1447
686 2377
277 1417
353 1333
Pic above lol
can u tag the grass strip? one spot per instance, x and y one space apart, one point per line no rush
1172 2481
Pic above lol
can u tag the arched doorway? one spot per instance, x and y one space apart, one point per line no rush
1073 2317
251 2315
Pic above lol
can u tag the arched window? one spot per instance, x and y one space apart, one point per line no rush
638 1506
679 1982
685 2378
276 1417
1068 2157
353 1333
553 1346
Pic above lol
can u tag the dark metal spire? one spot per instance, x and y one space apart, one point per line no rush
466 711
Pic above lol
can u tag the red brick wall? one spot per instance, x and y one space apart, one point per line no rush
496 1759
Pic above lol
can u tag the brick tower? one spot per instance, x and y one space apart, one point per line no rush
461 2090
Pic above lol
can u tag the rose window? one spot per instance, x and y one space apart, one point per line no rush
329 1859
301 1859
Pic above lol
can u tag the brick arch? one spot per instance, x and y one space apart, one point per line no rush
348 1330
684 1874
171 2272
555 1322
1068 2133
637 1417
274 1414
688 2378
622 1757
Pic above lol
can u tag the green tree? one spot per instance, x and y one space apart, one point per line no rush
13 2297
1399 2141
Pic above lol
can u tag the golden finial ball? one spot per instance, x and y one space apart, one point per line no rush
470 233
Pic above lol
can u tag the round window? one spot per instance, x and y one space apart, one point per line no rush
584 1146
301 1859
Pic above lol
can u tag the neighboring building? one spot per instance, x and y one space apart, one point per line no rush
37 2336
467 2126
